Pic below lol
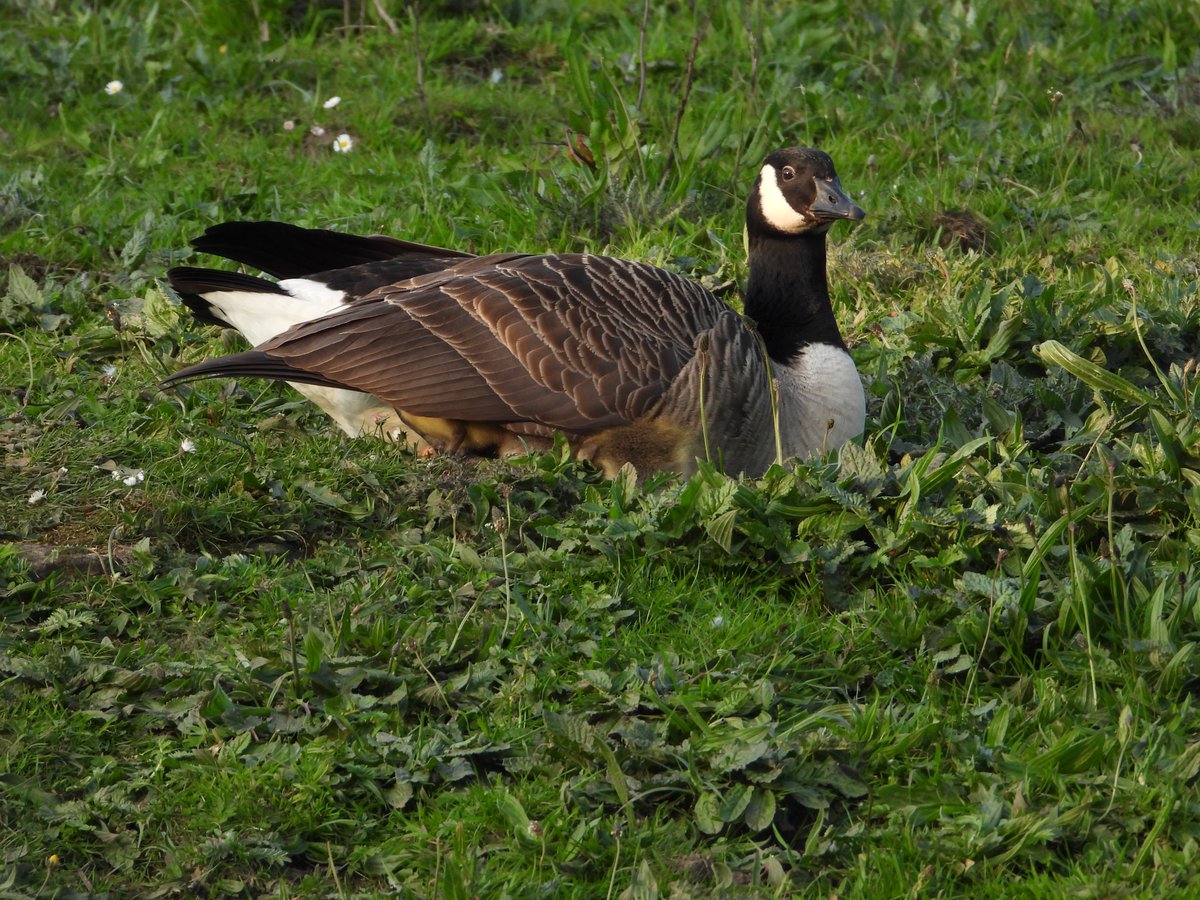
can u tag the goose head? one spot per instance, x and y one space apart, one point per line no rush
797 192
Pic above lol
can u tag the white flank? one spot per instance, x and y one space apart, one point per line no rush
313 292
775 208
821 400
260 317
360 414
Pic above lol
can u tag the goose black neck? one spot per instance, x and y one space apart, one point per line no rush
787 294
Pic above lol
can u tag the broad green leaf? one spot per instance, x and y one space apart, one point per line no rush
216 704
720 529
643 885
734 802
399 794
1091 374
708 812
514 813
322 494
760 812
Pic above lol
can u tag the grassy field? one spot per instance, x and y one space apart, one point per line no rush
241 654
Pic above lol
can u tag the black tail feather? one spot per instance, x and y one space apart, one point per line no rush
248 364
288 251
193 280
190 283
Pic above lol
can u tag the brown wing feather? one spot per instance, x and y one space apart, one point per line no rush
574 342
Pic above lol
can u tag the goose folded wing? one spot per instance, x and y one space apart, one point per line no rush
502 339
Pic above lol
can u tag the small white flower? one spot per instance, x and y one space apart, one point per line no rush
37 497
332 102
134 478
114 87
497 76
62 470
343 144
718 621
116 474
289 125
188 445
316 131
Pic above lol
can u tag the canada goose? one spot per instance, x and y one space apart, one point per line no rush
488 354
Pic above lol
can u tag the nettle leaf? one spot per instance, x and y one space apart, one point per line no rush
863 468
63 619
944 656
995 589
23 293
597 678
573 728
719 497
847 499
739 754
455 769
160 315
399 794
136 246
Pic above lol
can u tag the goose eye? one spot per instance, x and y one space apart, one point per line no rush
788 173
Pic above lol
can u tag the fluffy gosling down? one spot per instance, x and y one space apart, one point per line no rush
493 354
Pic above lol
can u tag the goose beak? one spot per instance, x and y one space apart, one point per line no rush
832 203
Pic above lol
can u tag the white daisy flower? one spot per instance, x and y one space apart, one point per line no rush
316 131
37 497
289 125
332 102
188 445
114 87
343 144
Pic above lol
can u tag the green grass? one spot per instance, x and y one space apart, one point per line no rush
958 658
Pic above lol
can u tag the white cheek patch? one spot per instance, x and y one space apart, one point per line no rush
779 214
